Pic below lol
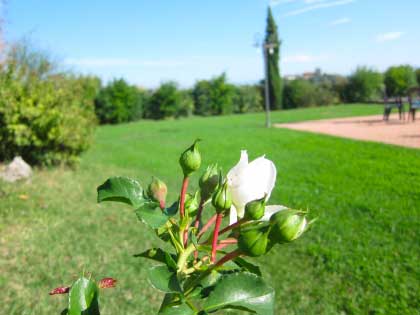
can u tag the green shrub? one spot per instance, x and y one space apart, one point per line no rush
165 102
119 102
213 97
248 99
304 93
299 93
399 79
47 117
418 76
186 105
365 85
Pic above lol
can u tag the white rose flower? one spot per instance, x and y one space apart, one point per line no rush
251 181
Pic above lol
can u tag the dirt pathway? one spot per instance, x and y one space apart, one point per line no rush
368 128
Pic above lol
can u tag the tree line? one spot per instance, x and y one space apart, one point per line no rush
119 101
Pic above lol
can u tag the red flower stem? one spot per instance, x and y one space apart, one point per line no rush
232 226
207 226
185 237
162 205
199 212
216 236
228 241
227 257
225 244
198 221
182 197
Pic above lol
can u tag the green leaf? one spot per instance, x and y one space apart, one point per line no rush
150 214
83 298
244 291
121 189
172 210
172 305
163 279
156 254
247 266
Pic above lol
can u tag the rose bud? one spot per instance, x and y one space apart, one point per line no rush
208 181
60 290
190 159
254 210
106 283
254 242
191 203
222 199
157 191
287 225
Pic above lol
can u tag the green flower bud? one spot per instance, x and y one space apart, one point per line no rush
157 191
208 181
254 242
190 159
191 203
287 225
222 199
254 210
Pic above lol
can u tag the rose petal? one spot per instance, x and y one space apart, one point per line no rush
233 215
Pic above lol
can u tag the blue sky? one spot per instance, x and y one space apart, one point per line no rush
150 41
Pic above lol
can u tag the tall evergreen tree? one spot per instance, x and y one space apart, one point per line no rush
274 78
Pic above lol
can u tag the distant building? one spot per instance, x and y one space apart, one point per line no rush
308 75
291 77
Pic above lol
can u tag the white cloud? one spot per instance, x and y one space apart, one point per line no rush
340 21
385 37
317 6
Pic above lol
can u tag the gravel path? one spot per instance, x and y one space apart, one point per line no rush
368 128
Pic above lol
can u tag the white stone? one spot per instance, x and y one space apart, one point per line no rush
16 170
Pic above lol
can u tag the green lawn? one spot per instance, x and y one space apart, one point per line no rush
361 257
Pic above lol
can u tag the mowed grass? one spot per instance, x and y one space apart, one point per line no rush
361 257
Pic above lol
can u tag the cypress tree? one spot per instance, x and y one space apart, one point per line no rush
274 79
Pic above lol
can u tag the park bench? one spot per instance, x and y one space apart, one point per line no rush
389 104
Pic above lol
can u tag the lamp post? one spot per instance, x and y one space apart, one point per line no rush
267 48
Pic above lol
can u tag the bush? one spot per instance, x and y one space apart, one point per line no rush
213 97
418 76
119 102
399 79
47 117
304 93
248 98
165 102
186 105
299 93
365 85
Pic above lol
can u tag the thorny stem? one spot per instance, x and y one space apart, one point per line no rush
199 212
182 197
182 260
182 208
207 226
198 220
219 218
178 246
227 257
225 243
232 226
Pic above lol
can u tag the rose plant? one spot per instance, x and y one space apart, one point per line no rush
206 270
